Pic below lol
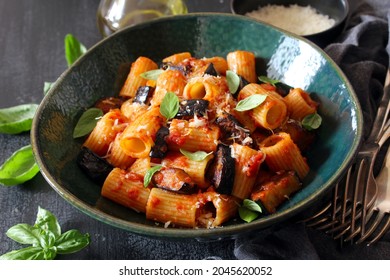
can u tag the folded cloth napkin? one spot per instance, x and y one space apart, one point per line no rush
362 52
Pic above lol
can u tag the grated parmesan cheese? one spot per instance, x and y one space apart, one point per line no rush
297 19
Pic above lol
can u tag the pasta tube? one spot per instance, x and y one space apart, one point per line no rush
300 104
243 63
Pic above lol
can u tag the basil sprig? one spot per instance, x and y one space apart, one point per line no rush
18 168
87 122
149 174
169 105
45 238
249 210
73 49
250 102
152 74
195 156
233 81
267 80
17 119
312 121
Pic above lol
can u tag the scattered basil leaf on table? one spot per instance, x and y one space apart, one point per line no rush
17 119
45 239
195 156
149 174
169 105
249 210
250 102
73 49
233 81
152 74
87 122
267 80
312 121
19 168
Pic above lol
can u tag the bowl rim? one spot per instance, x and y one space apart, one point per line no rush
338 23
200 234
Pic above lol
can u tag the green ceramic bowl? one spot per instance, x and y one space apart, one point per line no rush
100 73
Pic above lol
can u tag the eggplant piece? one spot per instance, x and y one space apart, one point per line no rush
188 108
168 65
232 131
210 70
109 103
174 179
160 148
93 165
143 93
302 137
241 85
282 88
222 169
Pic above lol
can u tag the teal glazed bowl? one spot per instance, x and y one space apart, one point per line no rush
102 70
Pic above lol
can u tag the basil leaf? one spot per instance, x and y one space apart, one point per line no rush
87 122
73 49
251 205
28 253
19 168
14 120
47 222
46 239
24 234
233 81
312 121
169 105
71 241
47 86
250 102
50 253
152 74
267 80
247 215
149 174
195 156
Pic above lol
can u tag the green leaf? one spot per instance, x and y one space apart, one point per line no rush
47 86
312 121
73 49
149 174
250 102
195 156
14 120
24 234
19 168
28 253
267 80
87 122
50 253
233 81
72 241
152 74
47 222
247 215
252 205
169 105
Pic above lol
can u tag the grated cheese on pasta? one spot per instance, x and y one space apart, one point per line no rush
297 19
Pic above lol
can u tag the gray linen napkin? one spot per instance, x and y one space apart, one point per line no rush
362 52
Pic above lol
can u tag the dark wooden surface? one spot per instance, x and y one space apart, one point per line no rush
32 52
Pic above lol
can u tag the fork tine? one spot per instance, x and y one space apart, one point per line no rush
373 225
379 235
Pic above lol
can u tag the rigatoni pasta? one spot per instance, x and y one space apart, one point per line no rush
185 153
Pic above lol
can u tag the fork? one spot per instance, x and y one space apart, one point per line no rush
354 196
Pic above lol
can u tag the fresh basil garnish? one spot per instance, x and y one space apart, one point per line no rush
249 210
267 80
250 102
169 105
233 81
47 86
152 74
46 239
17 119
87 122
312 121
195 156
149 174
18 168
73 49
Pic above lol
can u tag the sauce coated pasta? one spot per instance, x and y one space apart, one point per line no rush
188 141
